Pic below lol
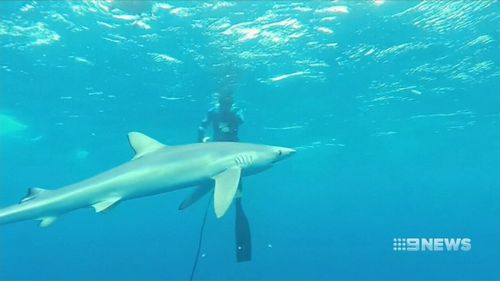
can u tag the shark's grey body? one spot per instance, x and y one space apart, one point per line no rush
156 168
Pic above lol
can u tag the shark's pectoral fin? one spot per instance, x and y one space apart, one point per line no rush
239 192
197 194
33 193
226 184
143 144
44 222
107 204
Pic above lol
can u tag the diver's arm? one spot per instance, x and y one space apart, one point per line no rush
239 116
202 129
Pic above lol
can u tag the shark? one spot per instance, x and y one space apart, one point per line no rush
154 169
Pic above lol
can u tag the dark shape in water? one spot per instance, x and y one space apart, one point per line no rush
243 234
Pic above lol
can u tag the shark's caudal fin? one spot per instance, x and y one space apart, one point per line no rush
226 184
143 144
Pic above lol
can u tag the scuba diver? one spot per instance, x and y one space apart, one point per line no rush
226 118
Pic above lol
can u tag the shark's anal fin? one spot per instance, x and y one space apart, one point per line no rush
197 194
44 222
226 184
107 204
33 193
143 144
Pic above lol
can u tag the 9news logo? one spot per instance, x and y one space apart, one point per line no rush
431 244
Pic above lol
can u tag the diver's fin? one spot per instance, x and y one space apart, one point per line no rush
242 233
197 194
106 205
143 144
226 184
44 222
33 193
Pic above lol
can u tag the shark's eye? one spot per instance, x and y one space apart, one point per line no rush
280 152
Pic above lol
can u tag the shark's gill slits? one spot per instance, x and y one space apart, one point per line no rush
244 160
249 159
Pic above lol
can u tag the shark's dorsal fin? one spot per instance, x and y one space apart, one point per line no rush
143 144
226 184
33 193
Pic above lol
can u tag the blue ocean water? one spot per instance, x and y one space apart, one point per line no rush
392 106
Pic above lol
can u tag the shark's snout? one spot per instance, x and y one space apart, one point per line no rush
287 151
283 152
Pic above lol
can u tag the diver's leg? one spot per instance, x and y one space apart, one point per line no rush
242 230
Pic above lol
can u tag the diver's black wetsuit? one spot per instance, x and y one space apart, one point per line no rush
225 126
